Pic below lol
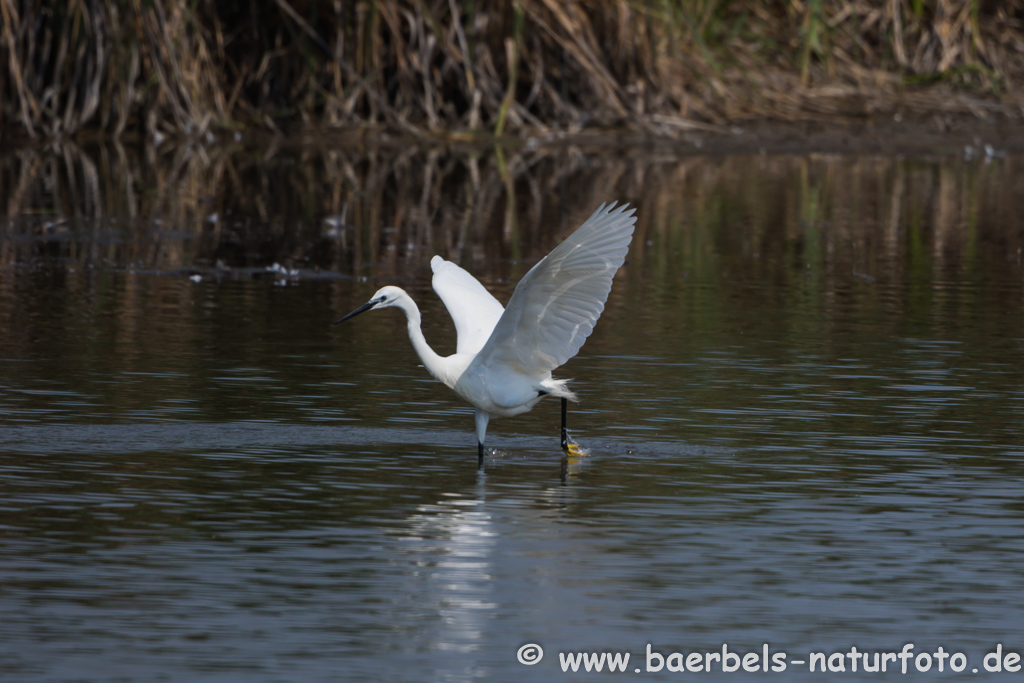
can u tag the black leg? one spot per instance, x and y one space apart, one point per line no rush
565 434
481 434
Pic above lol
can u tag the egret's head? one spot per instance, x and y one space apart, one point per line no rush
385 296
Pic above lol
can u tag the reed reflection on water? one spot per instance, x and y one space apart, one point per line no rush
804 405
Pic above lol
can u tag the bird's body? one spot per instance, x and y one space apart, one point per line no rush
504 356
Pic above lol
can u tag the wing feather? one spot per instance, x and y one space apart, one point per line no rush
557 303
473 309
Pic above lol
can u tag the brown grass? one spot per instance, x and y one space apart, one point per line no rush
425 67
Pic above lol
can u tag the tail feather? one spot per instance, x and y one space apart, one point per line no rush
559 388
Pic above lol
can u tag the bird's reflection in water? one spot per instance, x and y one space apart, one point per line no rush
457 542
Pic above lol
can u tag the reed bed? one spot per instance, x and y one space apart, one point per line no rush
203 69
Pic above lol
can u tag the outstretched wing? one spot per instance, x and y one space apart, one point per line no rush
556 304
472 307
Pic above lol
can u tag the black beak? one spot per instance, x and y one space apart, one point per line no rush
362 309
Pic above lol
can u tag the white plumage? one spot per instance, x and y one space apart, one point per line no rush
472 308
504 356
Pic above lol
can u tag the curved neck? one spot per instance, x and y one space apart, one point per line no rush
434 363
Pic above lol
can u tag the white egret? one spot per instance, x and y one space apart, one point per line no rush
504 356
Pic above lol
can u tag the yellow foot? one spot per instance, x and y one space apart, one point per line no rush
573 450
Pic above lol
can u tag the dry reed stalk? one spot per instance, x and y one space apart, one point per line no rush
510 65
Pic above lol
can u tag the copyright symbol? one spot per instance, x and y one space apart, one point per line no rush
530 654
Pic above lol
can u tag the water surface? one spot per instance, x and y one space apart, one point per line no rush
802 407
